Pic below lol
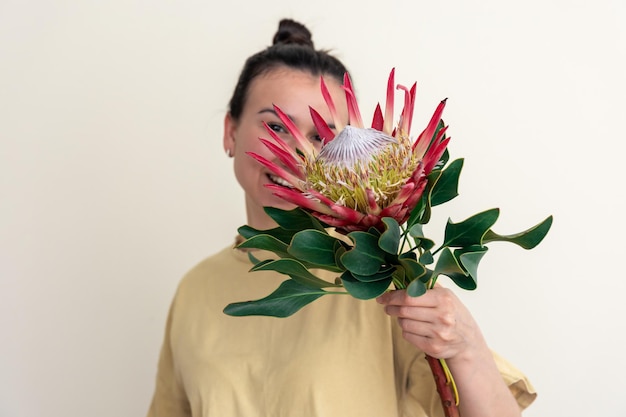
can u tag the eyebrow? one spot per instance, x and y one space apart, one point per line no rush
272 111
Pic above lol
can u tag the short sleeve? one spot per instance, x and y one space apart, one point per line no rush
417 393
518 383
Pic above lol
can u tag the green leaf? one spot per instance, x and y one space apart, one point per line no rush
413 269
390 239
366 257
278 232
427 276
408 255
417 234
416 288
447 186
417 231
426 258
338 254
374 231
422 211
287 299
527 239
296 270
418 212
266 242
254 259
383 273
469 258
470 231
296 219
448 265
398 278
257 262
364 290
314 246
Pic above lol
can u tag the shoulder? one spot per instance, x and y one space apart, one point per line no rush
223 278
214 267
204 278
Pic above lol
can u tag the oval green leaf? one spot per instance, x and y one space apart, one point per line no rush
287 299
366 257
296 219
470 231
313 246
447 187
389 241
527 239
266 242
448 265
416 288
296 270
364 290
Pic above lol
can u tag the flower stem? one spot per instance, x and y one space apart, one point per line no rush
405 237
445 386
444 381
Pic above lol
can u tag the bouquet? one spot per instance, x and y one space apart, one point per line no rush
362 201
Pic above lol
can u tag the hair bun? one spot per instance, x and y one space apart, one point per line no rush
290 31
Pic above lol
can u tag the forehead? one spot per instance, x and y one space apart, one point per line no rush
293 91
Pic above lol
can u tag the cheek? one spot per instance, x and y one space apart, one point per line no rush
248 141
248 173
245 165
243 159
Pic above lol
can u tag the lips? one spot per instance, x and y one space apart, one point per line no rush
279 181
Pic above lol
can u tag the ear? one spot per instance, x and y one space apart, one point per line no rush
230 129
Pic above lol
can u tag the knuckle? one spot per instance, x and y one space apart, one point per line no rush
448 319
404 311
436 350
447 337
444 334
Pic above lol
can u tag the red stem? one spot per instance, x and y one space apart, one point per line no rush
448 400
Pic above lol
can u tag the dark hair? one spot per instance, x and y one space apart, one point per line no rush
292 47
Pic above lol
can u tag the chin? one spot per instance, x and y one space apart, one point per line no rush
281 204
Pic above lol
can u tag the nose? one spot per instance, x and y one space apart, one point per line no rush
290 140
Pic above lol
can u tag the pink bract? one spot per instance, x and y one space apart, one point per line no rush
384 176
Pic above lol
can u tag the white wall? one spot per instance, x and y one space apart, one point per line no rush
113 182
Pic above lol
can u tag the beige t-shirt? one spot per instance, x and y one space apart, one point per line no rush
338 356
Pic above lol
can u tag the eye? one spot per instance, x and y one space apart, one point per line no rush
277 127
315 138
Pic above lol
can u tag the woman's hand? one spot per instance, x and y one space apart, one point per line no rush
436 322
441 326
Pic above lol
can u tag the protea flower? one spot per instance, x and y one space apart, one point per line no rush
362 174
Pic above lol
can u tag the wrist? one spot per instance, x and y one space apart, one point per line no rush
476 355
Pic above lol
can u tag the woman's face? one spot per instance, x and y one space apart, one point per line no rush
293 92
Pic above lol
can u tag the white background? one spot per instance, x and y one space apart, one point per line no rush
113 182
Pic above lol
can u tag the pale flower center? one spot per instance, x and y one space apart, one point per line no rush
358 159
354 145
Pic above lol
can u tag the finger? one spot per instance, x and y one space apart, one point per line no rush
428 345
417 329
423 314
431 298
429 337
400 297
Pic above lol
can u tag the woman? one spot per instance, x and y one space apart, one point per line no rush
338 356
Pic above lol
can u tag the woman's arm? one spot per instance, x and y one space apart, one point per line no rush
441 326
